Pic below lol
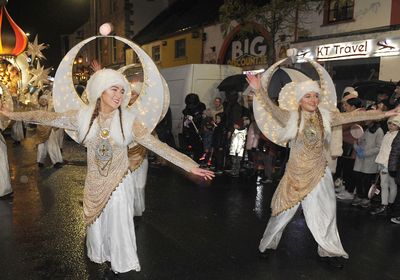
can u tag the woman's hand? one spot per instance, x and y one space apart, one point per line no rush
254 81
393 112
206 174
95 65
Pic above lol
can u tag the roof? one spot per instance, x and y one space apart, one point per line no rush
182 15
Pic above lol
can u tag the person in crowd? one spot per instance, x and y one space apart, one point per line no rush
17 128
233 110
365 168
217 107
164 129
350 103
394 168
106 128
252 143
307 179
236 149
394 99
269 152
48 138
219 143
383 105
388 185
192 119
207 129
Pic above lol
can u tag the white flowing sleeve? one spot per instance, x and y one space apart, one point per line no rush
66 120
144 138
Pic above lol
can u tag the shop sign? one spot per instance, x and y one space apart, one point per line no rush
351 50
244 49
341 50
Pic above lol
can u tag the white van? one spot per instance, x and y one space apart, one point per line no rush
201 79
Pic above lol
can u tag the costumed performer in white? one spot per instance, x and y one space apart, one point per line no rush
137 154
17 129
5 182
106 127
307 179
47 137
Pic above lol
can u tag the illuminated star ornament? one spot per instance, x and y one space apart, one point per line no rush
40 76
35 49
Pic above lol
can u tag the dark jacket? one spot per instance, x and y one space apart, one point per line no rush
394 159
219 137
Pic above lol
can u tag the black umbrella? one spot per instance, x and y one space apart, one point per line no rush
369 90
233 83
278 80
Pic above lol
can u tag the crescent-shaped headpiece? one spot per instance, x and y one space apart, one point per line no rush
147 109
287 98
167 97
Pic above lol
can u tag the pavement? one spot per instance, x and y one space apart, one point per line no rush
190 230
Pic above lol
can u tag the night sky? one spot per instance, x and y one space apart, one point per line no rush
49 19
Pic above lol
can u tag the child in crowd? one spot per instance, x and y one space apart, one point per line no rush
218 143
388 185
206 134
238 141
365 168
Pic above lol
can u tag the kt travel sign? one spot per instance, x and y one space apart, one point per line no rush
351 50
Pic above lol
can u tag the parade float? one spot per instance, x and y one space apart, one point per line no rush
20 69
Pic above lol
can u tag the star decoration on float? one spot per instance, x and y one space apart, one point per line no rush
35 49
40 76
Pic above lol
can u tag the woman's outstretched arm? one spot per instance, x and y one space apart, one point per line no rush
338 118
279 114
144 138
67 120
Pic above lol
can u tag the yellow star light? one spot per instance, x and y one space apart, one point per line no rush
40 76
35 49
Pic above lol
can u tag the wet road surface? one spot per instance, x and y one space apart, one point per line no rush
190 230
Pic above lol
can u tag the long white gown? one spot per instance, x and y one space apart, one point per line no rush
17 131
50 147
139 178
112 236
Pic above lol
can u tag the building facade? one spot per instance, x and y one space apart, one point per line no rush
356 40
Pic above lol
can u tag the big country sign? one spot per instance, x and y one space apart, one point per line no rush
245 48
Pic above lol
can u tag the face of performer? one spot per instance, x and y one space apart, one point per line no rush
309 102
111 98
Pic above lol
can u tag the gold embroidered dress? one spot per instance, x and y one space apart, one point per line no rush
104 177
307 161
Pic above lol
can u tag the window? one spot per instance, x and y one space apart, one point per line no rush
112 6
155 53
339 10
180 48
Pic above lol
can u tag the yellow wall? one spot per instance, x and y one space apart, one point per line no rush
167 51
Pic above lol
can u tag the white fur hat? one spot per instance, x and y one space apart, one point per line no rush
352 94
302 88
395 120
104 79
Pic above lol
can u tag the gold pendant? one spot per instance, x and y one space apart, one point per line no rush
104 133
